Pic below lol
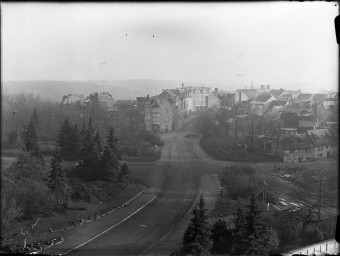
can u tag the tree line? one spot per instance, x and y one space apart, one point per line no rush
230 134
247 235
28 193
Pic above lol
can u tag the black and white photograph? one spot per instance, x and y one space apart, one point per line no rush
149 128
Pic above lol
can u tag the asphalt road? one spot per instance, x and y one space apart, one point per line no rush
157 228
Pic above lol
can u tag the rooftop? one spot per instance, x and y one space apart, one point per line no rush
321 137
304 96
262 98
277 103
295 141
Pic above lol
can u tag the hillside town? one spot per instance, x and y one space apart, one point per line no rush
308 122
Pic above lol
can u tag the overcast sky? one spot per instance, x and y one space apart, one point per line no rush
227 43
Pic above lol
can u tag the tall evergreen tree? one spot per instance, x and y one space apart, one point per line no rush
76 137
110 159
97 141
30 138
56 178
112 143
35 118
90 158
239 232
196 238
83 131
90 129
109 166
67 140
221 237
257 232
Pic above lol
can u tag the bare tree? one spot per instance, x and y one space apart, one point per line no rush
250 129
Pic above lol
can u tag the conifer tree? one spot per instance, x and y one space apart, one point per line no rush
257 237
110 158
56 178
97 141
83 131
30 138
239 232
112 143
108 166
90 129
221 237
67 140
196 238
35 118
76 138
89 156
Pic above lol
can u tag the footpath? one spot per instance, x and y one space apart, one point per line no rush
70 234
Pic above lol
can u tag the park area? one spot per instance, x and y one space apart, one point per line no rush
299 201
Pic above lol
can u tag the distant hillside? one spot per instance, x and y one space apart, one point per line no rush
120 89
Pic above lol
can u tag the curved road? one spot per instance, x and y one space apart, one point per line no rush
157 229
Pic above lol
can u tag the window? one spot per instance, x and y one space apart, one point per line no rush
167 119
319 148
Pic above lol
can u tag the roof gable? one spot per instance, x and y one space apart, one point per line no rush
295 141
262 98
321 137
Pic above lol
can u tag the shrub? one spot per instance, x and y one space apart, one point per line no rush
313 234
25 167
35 200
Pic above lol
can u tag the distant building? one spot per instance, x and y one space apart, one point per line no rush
294 123
72 99
250 93
276 93
318 98
324 141
304 97
308 146
213 101
158 115
197 94
294 148
275 106
261 103
328 102
105 99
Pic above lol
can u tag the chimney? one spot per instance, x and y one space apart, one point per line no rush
182 85
263 86
251 87
268 86
216 89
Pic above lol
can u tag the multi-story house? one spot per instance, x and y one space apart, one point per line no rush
197 94
294 148
261 103
72 99
328 102
213 101
308 146
251 94
324 141
304 97
159 115
275 106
